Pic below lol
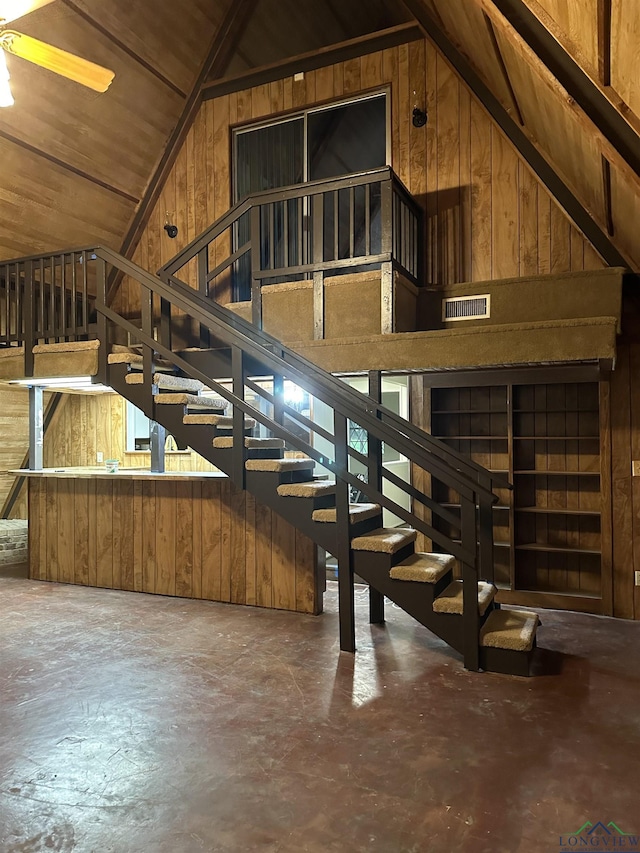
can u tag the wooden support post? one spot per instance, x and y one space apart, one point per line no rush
318 259
36 428
344 555
374 447
103 352
386 270
157 441
239 452
29 318
256 264
470 617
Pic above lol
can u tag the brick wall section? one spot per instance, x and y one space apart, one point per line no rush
13 542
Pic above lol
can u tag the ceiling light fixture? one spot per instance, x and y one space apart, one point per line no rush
71 383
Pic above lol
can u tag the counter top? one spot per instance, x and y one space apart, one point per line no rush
122 473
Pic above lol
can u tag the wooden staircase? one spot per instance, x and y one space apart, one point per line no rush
422 584
245 427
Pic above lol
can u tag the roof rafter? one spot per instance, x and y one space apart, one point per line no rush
525 147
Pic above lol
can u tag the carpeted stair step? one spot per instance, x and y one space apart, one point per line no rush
166 382
451 599
191 401
219 421
312 489
357 512
224 441
423 567
135 361
279 465
510 629
385 540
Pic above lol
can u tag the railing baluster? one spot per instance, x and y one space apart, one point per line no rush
271 235
336 224
85 294
19 309
41 301
301 231
52 300
352 221
367 219
74 295
285 233
63 295
7 304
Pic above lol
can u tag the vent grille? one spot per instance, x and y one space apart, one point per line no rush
466 307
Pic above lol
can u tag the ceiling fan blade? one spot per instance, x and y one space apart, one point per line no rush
12 9
54 59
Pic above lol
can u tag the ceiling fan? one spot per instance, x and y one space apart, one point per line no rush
53 58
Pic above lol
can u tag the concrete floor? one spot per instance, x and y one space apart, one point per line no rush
141 723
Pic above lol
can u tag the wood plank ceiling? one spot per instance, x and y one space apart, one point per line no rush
77 165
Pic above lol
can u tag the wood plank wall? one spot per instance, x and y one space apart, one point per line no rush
194 539
488 216
85 424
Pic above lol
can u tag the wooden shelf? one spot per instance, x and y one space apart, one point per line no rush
472 437
556 549
540 510
556 437
468 411
545 473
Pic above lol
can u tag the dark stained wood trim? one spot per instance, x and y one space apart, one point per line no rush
586 93
604 41
123 47
525 147
217 60
361 46
67 166
606 191
503 67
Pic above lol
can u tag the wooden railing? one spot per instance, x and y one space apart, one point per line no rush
362 221
47 299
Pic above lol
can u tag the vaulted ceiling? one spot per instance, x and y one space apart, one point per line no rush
79 168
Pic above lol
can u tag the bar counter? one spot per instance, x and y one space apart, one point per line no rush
188 534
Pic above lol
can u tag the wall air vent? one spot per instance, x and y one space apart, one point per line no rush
467 307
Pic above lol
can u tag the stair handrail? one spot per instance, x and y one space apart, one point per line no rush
235 331
245 204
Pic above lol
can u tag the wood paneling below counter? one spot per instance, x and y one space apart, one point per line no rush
195 538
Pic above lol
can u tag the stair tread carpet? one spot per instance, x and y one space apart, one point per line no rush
451 599
509 629
166 381
312 489
192 400
216 420
279 464
67 346
423 567
386 540
357 512
223 441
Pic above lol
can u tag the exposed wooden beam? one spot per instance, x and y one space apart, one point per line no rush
503 67
527 150
109 34
26 146
215 64
340 52
587 95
